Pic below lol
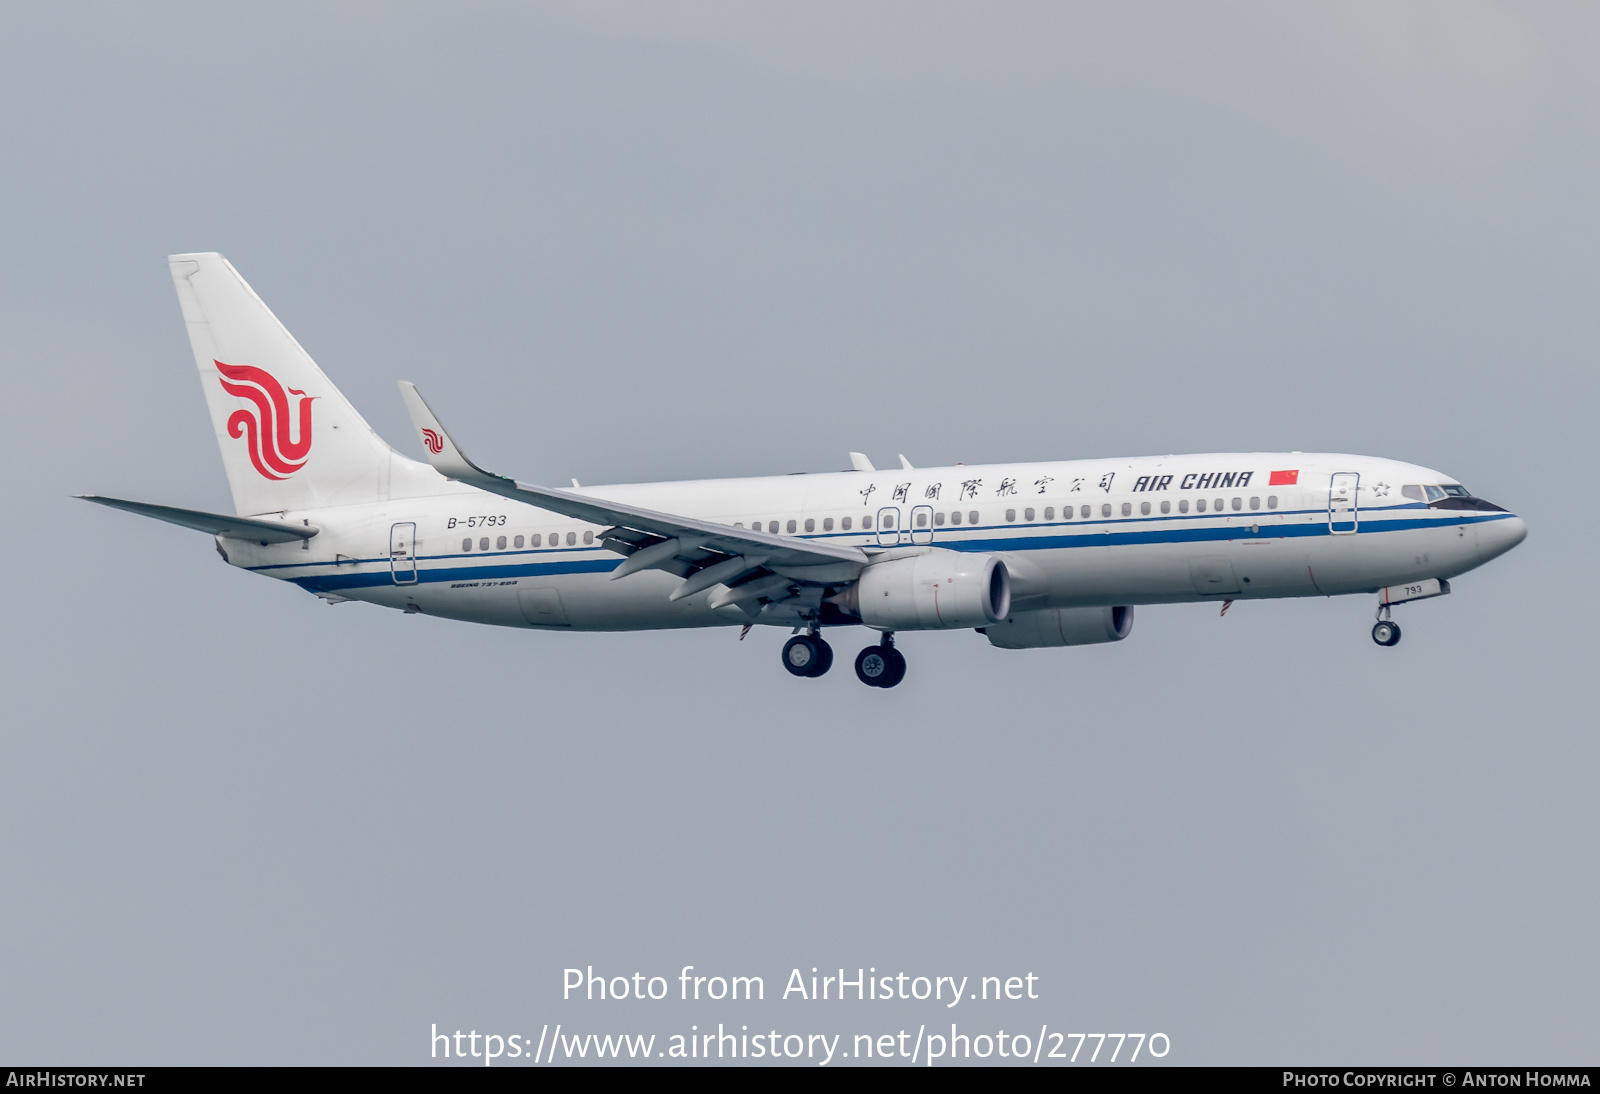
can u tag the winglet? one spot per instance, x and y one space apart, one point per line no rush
859 461
443 452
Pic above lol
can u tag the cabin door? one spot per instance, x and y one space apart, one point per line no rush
403 553
1342 514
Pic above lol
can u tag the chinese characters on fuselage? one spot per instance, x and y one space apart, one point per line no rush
1195 480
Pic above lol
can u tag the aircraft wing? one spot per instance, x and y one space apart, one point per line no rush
246 528
703 552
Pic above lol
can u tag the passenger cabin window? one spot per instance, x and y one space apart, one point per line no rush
1144 508
1200 505
1255 503
572 539
1166 507
938 519
1011 514
466 545
772 526
922 520
972 516
1027 514
811 525
1084 512
1049 512
866 523
1105 510
1127 508
1238 504
588 538
1272 501
517 542
791 526
483 544
500 544
1183 505
1412 492
955 518
1218 504
535 539
827 524
844 525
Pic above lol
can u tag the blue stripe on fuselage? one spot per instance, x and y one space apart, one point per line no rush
1106 537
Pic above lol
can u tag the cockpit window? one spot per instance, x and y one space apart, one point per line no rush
1412 492
1456 496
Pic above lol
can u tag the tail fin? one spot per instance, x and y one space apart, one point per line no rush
289 439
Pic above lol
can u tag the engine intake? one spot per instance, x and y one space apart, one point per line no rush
1061 627
939 590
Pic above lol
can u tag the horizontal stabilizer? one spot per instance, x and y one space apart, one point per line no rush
246 528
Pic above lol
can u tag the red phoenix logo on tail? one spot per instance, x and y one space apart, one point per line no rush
434 442
266 430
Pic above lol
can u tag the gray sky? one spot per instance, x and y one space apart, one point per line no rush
679 240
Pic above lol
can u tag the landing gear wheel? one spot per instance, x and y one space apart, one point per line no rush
825 662
1385 633
897 668
880 666
807 655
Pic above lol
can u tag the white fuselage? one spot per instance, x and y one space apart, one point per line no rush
1145 530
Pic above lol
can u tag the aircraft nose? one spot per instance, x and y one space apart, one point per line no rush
1496 537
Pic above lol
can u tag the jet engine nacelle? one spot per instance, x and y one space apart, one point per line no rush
939 590
1061 627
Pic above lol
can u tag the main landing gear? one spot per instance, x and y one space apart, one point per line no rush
807 655
881 666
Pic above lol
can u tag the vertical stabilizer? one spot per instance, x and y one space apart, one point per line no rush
289 439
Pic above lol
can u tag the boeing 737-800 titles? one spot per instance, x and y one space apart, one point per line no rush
1026 554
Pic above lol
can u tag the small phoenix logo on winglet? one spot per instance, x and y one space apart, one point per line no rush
433 441
273 452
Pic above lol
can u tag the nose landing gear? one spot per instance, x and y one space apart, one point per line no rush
881 666
807 655
1386 633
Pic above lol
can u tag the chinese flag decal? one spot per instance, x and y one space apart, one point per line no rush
1284 478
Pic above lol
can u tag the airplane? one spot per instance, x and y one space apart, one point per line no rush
1029 555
